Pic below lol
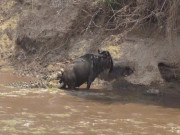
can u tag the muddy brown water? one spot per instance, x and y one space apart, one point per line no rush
81 112
9 77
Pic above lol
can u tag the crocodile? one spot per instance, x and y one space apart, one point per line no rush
45 82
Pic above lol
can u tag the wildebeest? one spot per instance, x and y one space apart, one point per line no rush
85 69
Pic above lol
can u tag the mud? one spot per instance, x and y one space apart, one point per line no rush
97 111
9 77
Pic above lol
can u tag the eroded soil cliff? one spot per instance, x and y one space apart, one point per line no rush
38 37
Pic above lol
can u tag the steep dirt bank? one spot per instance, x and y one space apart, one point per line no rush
38 37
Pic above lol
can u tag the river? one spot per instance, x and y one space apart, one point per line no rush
81 112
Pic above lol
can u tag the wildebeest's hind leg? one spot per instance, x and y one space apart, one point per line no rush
71 87
88 84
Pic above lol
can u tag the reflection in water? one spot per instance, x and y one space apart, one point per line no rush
54 111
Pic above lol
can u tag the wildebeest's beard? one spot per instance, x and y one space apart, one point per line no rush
106 60
108 64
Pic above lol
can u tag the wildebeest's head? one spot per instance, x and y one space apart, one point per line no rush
107 59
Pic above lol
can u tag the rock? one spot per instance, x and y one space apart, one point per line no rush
154 92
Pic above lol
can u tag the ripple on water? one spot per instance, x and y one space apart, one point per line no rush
14 92
36 113
174 128
132 121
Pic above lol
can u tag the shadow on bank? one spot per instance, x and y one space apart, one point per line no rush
123 92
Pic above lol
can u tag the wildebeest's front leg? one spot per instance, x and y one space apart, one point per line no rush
90 80
91 77
92 74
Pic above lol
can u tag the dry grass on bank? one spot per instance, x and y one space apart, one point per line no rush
126 15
